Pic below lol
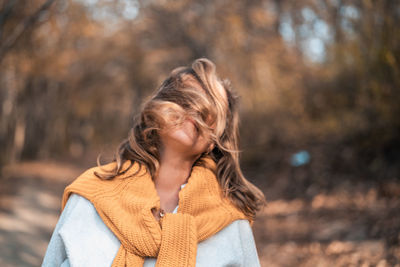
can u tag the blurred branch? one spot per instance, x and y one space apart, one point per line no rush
21 28
4 13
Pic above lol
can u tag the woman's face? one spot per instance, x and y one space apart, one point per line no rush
185 138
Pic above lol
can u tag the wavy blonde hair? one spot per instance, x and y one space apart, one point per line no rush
176 100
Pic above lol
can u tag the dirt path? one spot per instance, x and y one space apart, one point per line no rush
349 227
352 227
30 202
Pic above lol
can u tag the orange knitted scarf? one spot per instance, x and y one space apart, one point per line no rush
125 204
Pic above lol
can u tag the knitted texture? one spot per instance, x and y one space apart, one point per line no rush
125 205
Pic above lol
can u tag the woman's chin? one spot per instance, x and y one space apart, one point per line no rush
186 141
189 146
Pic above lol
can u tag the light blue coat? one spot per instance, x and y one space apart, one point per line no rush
81 238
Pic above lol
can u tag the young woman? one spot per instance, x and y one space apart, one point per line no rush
174 195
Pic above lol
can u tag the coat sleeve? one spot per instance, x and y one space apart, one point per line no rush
249 250
81 238
56 253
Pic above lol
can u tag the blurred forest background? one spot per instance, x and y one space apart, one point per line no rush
320 131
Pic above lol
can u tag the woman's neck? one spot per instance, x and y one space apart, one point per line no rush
174 170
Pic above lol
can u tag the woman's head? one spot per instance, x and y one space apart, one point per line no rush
192 106
197 111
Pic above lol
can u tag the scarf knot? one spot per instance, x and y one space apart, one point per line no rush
125 206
